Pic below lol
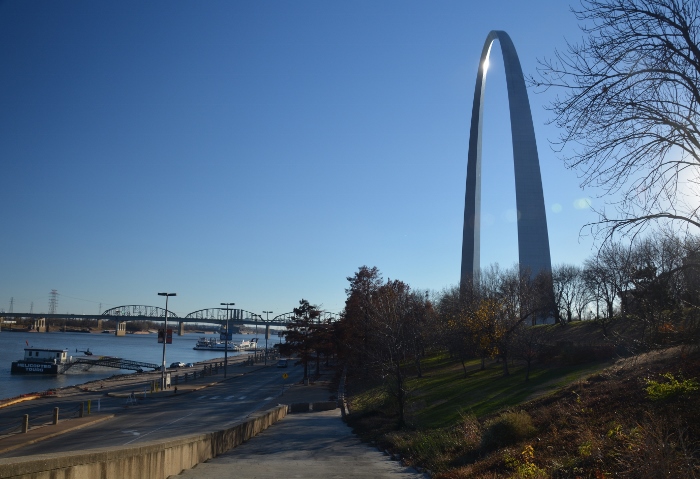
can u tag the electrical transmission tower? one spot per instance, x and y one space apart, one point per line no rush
53 301
12 305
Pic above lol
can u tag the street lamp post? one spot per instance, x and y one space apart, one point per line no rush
165 339
267 331
226 340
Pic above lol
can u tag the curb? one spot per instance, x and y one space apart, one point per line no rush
171 393
19 400
55 433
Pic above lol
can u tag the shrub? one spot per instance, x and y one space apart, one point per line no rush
437 448
524 467
508 428
660 390
658 448
430 448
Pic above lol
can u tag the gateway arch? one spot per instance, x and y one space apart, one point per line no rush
533 240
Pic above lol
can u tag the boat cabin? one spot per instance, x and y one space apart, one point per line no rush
40 355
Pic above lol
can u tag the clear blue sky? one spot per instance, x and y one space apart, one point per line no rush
258 152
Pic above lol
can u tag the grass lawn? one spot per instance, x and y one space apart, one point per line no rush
444 395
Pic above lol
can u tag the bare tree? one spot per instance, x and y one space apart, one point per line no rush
660 268
514 299
628 109
392 345
583 296
691 273
529 345
608 276
422 327
452 325
565 278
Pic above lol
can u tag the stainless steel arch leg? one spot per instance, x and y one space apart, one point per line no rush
533 239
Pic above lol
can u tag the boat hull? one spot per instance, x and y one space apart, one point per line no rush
215 348
26 367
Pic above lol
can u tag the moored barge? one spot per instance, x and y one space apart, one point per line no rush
41 361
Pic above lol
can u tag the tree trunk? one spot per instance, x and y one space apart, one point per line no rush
506 371
527 370
400 396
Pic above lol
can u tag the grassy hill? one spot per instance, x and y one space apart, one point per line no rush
634 417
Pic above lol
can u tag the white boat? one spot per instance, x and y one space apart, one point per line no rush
246 345
205 343
213 344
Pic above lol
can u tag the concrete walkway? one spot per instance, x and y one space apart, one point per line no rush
306 445
311 446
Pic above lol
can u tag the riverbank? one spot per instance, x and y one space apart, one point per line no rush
138 381
142 348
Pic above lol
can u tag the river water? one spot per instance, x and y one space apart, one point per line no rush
135 347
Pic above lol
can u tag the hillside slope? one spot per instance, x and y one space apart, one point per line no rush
639 418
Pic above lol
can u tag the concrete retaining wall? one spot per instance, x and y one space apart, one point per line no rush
154 460
298 407
324 406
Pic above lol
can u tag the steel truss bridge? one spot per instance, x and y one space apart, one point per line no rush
155 314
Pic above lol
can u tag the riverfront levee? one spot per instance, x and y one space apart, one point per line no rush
136 347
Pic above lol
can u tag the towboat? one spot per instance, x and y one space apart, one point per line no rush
57 361
42 361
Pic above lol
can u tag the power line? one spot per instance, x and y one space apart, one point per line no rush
87 300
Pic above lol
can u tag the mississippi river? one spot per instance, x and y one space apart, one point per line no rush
136 347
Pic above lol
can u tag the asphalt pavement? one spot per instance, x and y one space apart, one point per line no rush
309 445
129 389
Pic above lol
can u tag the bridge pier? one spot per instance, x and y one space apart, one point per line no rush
181 329
121 329
100 324
267 331
40 325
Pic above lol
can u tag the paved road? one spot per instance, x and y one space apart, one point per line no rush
310 446
210 409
